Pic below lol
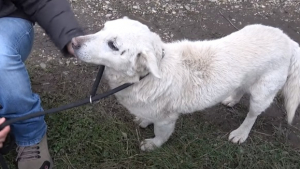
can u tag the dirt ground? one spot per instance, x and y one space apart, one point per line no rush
172 20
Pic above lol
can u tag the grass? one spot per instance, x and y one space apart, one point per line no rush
103 135
108 142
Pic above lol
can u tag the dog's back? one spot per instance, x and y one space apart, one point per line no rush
202 70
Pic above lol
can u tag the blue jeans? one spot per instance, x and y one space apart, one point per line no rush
16 96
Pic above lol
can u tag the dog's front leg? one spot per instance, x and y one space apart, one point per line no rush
162 131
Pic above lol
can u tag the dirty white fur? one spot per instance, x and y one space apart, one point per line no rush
190 76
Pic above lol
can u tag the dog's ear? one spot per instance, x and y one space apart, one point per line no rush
150 61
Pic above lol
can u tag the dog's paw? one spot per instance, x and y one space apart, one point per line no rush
148 145
141 122
229 101
238 136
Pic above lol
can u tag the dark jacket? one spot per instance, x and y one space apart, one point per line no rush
54 16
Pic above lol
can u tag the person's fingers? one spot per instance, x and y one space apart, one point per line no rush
4 132
6 129
2 139
70 48
2 120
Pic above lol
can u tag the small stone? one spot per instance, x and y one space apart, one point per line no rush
187 7
108 15
65 72
43 65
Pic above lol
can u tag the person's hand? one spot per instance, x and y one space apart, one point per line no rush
3 132
70 48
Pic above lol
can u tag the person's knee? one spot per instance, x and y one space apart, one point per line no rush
8 58
15 85
15 102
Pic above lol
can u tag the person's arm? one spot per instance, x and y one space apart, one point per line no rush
3 132
55 17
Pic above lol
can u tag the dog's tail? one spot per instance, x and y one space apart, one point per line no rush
291 89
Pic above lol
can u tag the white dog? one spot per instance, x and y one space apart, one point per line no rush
185 76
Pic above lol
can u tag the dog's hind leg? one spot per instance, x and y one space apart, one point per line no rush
162 130
234 98
262 95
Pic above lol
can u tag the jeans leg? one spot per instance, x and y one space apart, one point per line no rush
16 96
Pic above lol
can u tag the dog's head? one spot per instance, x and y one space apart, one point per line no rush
125 45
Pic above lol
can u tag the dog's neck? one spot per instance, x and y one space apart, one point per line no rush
117 78
146 74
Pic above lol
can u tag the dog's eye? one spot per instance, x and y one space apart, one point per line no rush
112 45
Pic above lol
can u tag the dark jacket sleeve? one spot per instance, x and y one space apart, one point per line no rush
55 17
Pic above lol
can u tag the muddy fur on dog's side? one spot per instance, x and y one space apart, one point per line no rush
188 76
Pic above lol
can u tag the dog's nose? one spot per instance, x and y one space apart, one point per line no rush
75 43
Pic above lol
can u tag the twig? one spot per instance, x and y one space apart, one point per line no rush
228 20
262 133
69 161
213 150
294 127
225 135
126 158
127 146
185 146
137 134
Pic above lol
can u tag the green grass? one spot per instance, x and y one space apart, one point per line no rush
95 141
103 135
87 140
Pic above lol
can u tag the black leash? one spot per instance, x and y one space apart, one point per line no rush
97 81
71 105
93 97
